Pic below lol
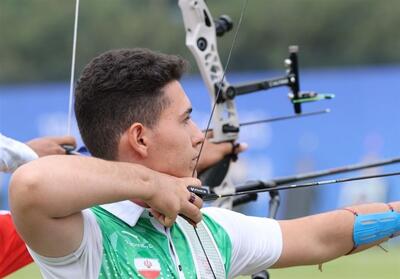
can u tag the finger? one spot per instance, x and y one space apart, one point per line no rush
188 220
192 198
162 219
232 147
225 147
241 147
169 221
67 140
192 212
59 150
156 214
68 149
196 200
192 181
63 149
210 134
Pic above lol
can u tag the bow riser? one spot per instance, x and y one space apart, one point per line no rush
201 40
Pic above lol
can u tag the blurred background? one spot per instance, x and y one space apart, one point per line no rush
347 47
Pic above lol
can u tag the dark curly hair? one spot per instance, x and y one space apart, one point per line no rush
119 88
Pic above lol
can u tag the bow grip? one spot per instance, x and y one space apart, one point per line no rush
214 175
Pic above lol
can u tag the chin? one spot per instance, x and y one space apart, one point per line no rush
179 173
187 174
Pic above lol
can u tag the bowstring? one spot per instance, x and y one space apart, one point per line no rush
72 78
243 9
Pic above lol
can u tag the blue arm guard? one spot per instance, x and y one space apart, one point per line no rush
369 228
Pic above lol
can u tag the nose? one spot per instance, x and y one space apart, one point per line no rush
198 136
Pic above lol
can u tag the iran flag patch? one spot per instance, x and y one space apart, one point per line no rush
148 268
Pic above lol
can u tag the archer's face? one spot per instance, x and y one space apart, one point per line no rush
176 139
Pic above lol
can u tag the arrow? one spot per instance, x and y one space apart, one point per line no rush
207 196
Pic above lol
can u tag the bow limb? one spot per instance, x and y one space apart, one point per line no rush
202 41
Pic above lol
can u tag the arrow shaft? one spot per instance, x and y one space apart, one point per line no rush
212 196
279 118
344 169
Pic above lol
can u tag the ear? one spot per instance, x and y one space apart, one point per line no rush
138 139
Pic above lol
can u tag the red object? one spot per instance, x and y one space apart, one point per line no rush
13 252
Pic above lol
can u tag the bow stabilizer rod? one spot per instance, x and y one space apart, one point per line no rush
260 187
310 175
344 169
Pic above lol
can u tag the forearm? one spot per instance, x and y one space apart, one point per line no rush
48 195
323 237
60 186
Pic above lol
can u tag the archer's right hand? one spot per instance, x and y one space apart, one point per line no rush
170 198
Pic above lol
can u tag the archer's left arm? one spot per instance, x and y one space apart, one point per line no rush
320 238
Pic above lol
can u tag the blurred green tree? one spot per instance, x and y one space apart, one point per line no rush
36 36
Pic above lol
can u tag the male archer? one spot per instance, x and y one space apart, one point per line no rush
13 154
120 215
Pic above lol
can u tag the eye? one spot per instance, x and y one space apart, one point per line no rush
187 119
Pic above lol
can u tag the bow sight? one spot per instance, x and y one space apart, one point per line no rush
224 24
291 80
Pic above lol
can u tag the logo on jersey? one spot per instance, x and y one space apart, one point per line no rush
148 268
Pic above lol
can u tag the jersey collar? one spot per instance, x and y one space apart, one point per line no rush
127 211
